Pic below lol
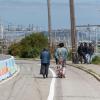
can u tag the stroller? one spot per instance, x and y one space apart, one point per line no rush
60 70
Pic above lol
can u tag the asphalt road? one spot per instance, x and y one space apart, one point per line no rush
78 85
29 84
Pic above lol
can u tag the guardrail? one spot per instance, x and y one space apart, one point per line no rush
7 67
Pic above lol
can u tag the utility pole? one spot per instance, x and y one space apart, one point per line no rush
73 32
49 23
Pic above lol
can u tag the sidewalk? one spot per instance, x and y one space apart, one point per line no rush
92 69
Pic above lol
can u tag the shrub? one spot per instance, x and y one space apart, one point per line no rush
70 55
14 49
30 46
96 60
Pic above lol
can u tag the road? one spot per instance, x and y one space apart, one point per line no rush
29 85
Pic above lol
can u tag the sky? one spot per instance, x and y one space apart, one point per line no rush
35 12
57 1
51 0
44 1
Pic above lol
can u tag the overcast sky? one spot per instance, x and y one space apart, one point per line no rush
32 2
35 12
58 1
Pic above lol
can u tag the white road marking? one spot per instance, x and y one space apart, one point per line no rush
52 86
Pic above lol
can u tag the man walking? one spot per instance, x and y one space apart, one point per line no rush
45 62
62 53
85 51
91 51
55 54
81 54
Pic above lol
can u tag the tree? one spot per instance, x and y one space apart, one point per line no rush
14 49
30 46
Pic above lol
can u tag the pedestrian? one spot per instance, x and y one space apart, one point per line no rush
80 52
61 55
45 62
91 51
85 51
55 54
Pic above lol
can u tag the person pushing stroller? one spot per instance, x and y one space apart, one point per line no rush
61 55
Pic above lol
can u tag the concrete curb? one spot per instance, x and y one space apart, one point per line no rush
90 71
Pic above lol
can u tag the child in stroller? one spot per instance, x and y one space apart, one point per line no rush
60 70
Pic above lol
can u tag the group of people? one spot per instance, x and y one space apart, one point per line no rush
60 56
85 52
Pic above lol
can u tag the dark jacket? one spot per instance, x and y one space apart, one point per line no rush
85 50
91 50
80 50
45 57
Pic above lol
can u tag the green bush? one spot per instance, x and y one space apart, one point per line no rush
69 55
30 46
14 49
26 52
96 60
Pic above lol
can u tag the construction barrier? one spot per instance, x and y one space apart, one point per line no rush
7 68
